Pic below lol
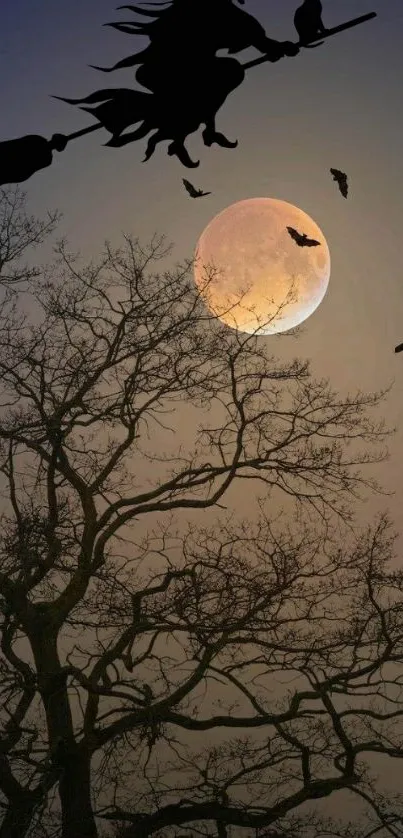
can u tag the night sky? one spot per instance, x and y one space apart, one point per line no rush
338 105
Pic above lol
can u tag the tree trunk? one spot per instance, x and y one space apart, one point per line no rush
75 794
71 761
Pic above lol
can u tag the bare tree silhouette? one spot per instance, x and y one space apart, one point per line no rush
170 673
18 232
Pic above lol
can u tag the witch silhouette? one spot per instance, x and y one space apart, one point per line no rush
184 83
188 82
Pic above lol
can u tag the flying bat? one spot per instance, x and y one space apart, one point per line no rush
302 238
341 180
194 193
399 348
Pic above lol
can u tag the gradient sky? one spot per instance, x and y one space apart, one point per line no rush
338 105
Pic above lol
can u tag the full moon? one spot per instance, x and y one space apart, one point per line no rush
252 275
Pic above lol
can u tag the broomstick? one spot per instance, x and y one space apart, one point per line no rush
329 32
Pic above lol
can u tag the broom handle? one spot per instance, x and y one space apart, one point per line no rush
341 28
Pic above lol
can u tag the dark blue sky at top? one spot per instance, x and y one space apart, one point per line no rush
338 105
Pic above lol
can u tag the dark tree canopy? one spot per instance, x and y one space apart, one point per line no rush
167 669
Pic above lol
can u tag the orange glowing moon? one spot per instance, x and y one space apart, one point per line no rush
259 279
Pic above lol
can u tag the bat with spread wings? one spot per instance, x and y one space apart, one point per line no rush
341 180
399 348
193 192
301 238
